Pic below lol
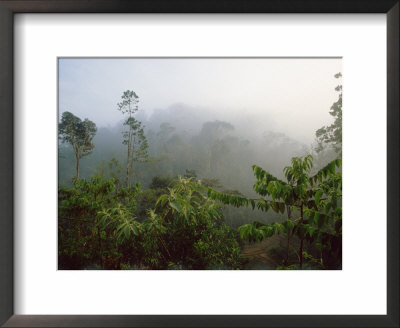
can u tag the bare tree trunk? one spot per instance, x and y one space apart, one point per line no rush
288 236
131 172
301 240
128 163
287 249
127 176
77 166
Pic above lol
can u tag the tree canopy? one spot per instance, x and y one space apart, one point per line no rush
332 134
79 134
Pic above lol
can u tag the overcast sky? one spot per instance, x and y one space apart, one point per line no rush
296 93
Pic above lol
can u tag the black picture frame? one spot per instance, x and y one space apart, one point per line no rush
10 7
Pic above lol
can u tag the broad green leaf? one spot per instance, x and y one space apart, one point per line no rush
318 195
175 205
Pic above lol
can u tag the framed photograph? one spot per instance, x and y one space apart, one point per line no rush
184 163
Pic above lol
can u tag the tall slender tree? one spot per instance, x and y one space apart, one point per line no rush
79 134
133 133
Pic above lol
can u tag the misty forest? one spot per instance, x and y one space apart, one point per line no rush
179 189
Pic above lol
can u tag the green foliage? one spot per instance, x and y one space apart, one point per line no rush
231 199
148 198
129 102
257 231
212 183
190 230
160 182
190 174
120 219
98 228
92 216
135 138
110 170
